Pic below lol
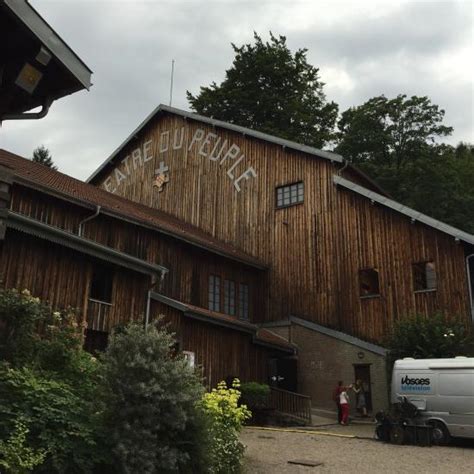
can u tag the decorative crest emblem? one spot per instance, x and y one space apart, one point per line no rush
161 176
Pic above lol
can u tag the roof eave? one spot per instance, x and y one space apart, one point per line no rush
51 40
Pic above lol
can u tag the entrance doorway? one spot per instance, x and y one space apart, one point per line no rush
283 373
362 372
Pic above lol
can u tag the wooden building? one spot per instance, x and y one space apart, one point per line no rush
73 244
343 261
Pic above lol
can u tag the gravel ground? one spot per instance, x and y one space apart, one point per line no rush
270 451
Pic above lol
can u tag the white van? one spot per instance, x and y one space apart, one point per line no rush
443 391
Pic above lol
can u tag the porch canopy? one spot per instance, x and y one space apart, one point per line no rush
36 65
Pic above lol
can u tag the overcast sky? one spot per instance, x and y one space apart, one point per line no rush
363 49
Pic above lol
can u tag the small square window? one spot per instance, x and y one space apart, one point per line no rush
289 195
424 276
369 282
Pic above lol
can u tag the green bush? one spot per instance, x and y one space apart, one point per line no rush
50 384
434 336
150 402
15 457
226 417
255 395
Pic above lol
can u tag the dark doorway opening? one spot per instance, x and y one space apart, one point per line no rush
95 341
362 372
283 374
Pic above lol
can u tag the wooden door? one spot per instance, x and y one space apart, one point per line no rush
362 372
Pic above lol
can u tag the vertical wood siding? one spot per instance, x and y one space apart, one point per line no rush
221 352
314 249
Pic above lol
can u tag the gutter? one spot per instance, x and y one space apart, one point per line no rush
32 115
61 237
87 219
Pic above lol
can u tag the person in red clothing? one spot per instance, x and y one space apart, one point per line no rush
344 403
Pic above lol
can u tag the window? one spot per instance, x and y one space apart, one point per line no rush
243 301
101 285
290 194
229 297
214 293
424 276
369 282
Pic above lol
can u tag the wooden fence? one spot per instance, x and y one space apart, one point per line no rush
291 403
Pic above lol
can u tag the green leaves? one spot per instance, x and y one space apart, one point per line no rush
435 336
271 90
149 398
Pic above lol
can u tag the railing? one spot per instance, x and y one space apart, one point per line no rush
98 315
291 403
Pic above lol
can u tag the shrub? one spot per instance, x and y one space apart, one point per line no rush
221 405
255 395
49 382
150 401
429 337
15 457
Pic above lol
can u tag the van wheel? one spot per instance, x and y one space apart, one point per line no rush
439 433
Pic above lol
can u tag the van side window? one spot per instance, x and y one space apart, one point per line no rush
424 276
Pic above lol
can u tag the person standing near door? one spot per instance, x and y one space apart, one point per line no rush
361 404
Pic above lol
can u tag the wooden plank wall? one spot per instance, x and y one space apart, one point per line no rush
189 266
314 249
221 352
61 277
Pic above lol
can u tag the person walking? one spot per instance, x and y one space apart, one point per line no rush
344 404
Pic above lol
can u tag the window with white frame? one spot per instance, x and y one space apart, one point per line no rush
290 194
214 293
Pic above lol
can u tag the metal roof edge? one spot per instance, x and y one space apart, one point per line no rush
269 345
218 123
28 15
368 346
396 206
54 234
169 301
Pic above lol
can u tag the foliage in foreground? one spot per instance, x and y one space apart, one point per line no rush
16 457
221 405
151 396
424 337
47 385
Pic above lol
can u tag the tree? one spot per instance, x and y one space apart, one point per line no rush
150 398
271 90
429 337
390 132
42 155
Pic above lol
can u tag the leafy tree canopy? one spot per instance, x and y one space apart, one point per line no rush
271 90
390 132
42 155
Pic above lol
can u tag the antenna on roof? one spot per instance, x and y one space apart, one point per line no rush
171 83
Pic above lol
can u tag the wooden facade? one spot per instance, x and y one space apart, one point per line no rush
64 276
224 181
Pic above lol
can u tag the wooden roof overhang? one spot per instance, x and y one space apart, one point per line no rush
415 216
261 336
58 236
53 70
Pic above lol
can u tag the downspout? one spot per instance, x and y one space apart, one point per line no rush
81 224
158 282
469 285
35 115
340 170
